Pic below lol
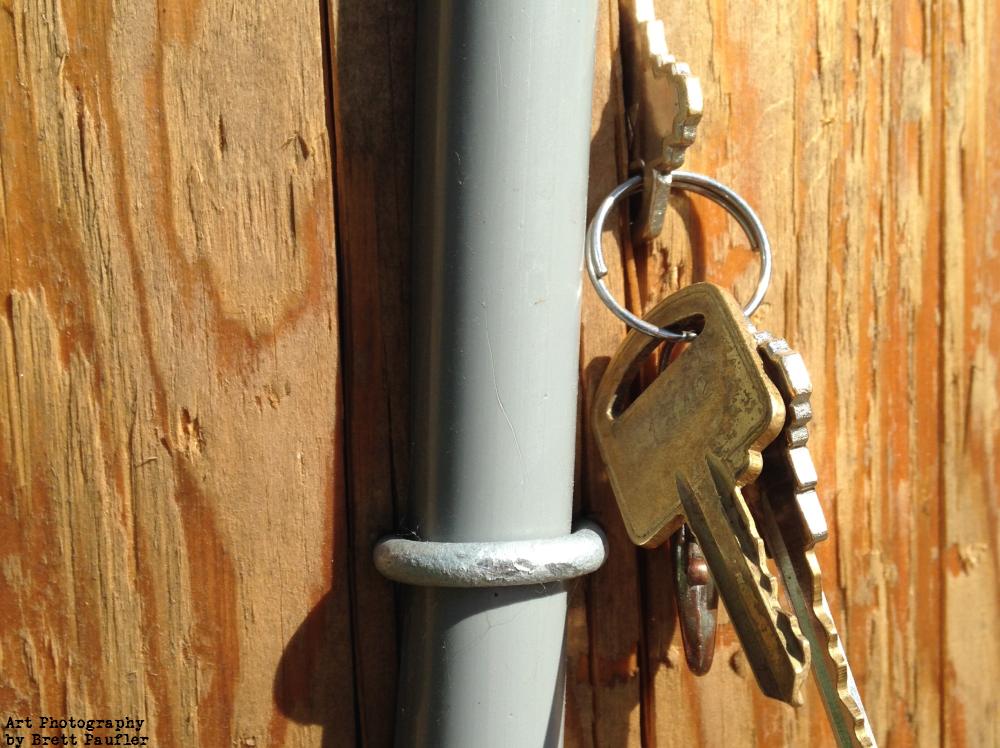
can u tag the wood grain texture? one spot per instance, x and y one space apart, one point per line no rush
372 51
201 434
858 134
173 540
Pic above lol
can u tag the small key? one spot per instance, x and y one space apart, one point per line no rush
697 601
694 589
785 502
680 451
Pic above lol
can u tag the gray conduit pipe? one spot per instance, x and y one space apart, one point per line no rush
503 103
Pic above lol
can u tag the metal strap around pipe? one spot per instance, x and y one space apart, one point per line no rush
497 564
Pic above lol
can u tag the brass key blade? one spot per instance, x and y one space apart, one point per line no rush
832 674
791 518
775 649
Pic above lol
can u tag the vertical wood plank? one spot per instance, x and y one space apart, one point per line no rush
857 131
372 52
970 342
172 516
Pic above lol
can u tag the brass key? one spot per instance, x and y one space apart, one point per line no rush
664 114
680 451
791 519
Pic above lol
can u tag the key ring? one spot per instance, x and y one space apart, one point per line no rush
715 191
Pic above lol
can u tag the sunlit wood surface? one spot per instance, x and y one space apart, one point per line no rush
204 353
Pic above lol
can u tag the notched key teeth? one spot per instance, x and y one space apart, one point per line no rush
795 645
801 413
811 519
797 436
802 470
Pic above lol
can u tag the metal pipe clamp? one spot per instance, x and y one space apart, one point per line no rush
509 563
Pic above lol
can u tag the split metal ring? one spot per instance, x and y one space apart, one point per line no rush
715 191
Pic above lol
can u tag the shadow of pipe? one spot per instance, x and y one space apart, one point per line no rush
306 688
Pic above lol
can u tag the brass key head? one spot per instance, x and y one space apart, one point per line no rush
715 399
681 450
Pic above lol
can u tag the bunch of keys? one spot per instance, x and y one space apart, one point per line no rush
713 452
